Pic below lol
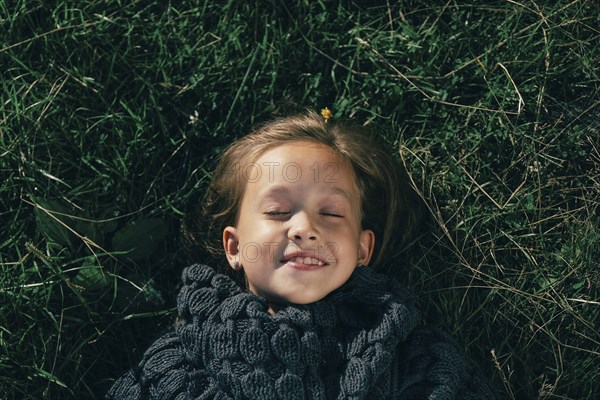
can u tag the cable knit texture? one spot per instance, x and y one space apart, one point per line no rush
360 342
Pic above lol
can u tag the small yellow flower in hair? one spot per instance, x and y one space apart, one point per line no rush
326 114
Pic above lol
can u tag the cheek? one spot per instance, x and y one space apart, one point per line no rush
261 247
331 251
346 233
266 232
251 252
259 228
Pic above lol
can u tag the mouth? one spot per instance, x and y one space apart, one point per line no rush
304 262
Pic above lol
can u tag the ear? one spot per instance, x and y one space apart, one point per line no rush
366 246
231 245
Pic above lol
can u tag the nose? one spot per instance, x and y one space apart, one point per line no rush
302 228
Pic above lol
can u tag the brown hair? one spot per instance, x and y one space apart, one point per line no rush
386 198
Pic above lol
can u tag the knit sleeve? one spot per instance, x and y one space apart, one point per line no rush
430 365
160 374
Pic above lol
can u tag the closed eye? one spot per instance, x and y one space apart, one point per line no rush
332 215
276 213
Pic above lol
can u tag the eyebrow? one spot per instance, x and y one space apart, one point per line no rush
341 192
279 190
275 191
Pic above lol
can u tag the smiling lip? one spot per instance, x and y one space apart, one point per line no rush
304 261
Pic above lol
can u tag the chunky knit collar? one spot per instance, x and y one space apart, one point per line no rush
339 347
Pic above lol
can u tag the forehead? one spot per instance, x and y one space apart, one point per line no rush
304 148
299 164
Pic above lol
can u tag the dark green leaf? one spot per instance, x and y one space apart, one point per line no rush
50 218
91 276
140 238
579 284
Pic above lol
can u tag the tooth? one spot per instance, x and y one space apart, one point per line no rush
307 260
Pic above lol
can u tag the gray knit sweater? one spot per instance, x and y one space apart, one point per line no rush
360 342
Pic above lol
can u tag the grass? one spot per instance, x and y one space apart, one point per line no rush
112 115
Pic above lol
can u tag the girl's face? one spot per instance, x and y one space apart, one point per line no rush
298 236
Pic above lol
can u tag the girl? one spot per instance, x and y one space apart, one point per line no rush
303 210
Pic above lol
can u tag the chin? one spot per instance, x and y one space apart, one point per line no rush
281 302
302 300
